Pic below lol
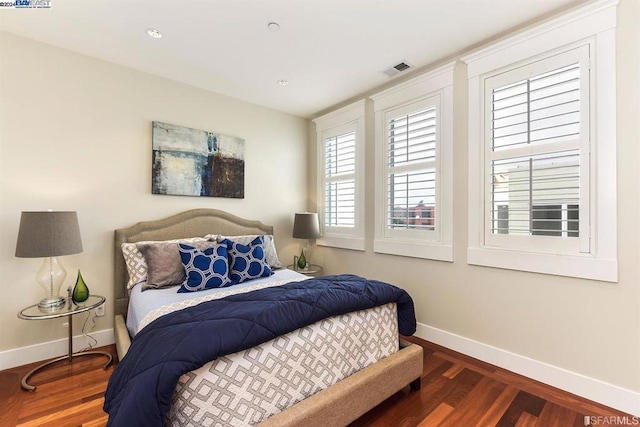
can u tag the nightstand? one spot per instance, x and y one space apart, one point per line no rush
312 270
69 309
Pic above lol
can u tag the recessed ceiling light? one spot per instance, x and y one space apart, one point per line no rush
273 26
152 32
283 82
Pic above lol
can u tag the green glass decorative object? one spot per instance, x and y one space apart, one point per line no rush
302 261
80 291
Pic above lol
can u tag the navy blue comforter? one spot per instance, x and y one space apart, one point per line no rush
140 389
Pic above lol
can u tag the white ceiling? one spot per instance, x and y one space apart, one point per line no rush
328 50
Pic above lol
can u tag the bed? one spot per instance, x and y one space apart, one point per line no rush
337 402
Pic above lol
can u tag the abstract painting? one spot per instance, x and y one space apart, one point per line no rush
192 162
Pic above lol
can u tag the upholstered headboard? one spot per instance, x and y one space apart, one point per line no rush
193 223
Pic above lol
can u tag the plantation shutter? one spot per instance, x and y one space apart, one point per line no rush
340 191
536 154
411 170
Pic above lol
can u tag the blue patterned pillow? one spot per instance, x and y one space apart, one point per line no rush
247 262
205 268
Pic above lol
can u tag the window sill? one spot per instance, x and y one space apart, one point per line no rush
355 243
584 267
414 249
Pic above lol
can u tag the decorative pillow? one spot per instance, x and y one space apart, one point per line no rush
247 262
135 262
204 268
269 246
164 267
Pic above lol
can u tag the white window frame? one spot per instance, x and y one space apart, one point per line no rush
540 244
338 122
434 88
595 257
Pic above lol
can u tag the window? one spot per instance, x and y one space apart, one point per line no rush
411 170
414 167
340 136
340 180
536 153
542 149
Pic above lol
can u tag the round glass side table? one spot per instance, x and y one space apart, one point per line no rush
69 309
312 270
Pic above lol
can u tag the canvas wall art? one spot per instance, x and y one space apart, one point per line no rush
192 162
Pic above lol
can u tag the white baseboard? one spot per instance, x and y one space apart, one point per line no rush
598 391
47 350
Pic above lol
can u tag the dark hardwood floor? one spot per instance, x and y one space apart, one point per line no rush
456 391
460 391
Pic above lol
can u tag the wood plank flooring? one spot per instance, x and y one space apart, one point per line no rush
460 391
66 394
456 391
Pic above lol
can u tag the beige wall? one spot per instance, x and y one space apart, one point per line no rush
75 134
588 327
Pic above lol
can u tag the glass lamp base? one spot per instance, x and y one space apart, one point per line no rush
51 304
51 276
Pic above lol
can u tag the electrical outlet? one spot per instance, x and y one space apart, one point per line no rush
100 310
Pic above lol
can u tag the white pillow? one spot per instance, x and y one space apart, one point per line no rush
269 246
135 262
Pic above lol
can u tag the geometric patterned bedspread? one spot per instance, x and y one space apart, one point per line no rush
247 387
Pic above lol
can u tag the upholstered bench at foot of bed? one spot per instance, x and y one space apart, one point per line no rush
352 397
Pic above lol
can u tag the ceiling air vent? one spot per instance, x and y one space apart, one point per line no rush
396 69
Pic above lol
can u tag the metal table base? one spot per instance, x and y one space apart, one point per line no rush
69 358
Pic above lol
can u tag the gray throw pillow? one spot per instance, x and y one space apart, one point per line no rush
164 267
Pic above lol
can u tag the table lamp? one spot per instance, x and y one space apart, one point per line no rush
305 226
48 235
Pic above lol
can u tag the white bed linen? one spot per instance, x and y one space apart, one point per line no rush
142 304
